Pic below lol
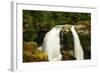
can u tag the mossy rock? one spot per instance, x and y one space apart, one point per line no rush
67 55
29 46
32 54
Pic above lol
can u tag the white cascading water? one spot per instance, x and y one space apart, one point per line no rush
51 44
77 45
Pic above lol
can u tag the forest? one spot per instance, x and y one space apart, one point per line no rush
36 21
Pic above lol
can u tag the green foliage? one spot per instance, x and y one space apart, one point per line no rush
34 21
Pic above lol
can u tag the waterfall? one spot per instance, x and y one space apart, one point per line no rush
77 45
51 44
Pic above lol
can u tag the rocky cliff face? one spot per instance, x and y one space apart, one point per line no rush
83 29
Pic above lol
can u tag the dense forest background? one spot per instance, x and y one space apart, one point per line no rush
34 21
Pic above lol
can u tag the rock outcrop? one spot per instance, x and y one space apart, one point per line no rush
32 54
